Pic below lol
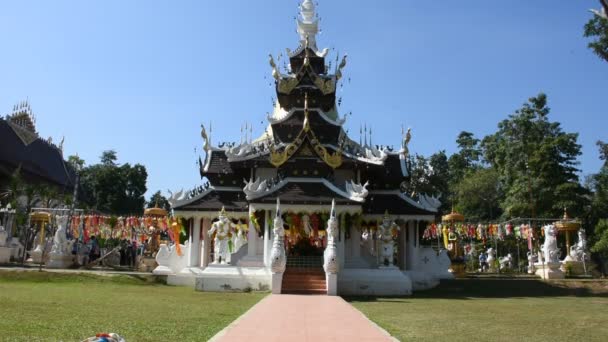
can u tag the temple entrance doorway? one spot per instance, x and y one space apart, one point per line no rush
304 247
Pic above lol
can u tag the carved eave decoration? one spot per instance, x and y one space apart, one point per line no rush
278 158
279 115
287 83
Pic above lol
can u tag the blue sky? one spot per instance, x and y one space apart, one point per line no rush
141 76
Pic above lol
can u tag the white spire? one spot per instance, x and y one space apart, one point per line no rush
308 24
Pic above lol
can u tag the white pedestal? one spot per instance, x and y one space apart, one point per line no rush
219 278
185 277
5 255
277 282
60 261
332 284
162 270
576 268
549 270
372 282
36 256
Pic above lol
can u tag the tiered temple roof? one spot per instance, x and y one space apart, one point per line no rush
39 159
305 156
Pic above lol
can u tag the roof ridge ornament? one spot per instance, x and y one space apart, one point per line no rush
308 25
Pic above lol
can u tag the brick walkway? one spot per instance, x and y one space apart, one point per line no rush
302 318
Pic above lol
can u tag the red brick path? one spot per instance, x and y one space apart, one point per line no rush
291 318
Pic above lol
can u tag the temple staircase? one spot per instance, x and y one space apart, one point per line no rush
304 275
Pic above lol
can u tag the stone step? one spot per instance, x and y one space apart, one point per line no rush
306 292
304 283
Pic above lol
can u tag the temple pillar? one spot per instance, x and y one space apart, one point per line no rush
267 238
402 252
206 242
194 241
410 245
341 248
252 237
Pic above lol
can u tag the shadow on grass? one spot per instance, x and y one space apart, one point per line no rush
499 288
57 277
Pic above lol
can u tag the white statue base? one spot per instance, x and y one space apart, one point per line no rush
60 261
422 280
332 284
5 255
162 270
36 256
549 270
576 268
17 249
276 282
162 259
185 277
220 278
373 282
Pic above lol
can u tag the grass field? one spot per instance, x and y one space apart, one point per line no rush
40 306
495 310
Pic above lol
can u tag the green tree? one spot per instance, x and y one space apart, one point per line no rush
536 162
597 28
600 184
108 158
468 157
159 200
439 179
76 162
600 241
478 194
112 188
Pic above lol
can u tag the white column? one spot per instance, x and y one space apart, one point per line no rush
403 245
195 239
252 237
411 244
266 238
206 243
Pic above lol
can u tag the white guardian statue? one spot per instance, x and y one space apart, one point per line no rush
330 256
550 252
278 260
386 239
222 228
579 251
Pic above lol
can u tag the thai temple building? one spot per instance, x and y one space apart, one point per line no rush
305 208
38 160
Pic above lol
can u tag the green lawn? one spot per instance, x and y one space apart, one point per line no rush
40 306
495 310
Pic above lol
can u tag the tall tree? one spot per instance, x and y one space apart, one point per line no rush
114 189
76 162
467 158
159 200
598 185
439 178
537 163
477 195
108 158
597 28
